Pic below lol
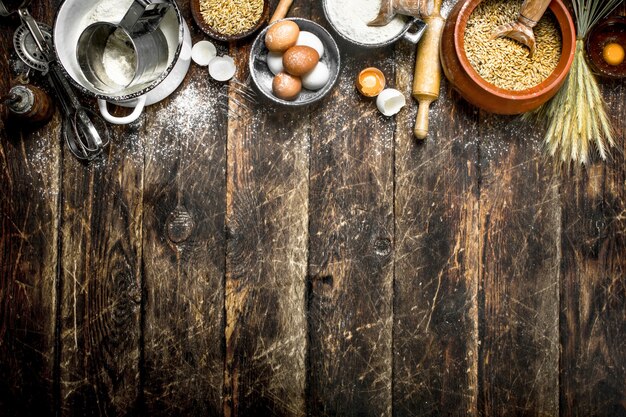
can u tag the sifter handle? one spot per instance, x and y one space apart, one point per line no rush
144 16
281 10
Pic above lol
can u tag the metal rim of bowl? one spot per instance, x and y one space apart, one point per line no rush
552 80
331 82
616 20
209 31
388 42
143 91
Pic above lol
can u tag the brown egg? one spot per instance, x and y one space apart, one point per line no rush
282 36
286 86
298 60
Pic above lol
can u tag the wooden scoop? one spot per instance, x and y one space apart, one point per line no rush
427 77
522 29
390 8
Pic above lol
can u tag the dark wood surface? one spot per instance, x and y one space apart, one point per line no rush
267 262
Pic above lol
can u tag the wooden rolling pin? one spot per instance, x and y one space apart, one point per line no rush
281 10
427 77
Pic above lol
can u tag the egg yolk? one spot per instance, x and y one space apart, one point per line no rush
613 54
371 82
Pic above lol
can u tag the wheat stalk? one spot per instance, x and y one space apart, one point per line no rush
576 117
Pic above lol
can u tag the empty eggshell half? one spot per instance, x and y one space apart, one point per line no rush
317 78
203 52
308 39
222 68
275 62
390 101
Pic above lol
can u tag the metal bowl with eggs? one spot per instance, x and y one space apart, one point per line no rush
315 59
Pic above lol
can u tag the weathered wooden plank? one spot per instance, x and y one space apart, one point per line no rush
351 248
518 295
437 257
266 264
184 249
101 279
29 219
593 287
266 218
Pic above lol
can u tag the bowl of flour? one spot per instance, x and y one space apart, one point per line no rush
350 18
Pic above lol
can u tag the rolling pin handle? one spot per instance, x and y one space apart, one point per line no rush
421 123
281 10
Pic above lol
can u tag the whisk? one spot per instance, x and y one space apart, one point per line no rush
238 99
85 132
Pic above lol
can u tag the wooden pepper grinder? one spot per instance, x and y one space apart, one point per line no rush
522 29
427 79
29 103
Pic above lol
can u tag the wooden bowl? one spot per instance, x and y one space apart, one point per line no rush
197 17
486 96
612 30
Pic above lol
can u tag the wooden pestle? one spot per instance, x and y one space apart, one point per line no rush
427 79
281 10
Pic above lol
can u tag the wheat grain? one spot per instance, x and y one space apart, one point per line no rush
231 17
504 62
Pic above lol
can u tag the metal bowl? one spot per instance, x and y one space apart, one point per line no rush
262 76
412 32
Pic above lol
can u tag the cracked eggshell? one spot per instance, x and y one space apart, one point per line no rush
203 52
222 68
275 62
390 101
308 39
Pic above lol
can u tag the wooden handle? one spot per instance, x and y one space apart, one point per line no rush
430 8
533 10
427 79
281 10
421 123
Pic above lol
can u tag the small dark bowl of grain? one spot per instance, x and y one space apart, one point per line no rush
498 75
230 20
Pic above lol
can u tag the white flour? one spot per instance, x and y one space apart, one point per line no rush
350 19
108 11
118 59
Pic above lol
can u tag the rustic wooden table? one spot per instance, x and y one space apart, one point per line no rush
317 262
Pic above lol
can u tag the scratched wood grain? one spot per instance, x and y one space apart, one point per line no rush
351 246
184 249
101 279
593 286
266 220
101 255
437 256
520 259
121 293
29 221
